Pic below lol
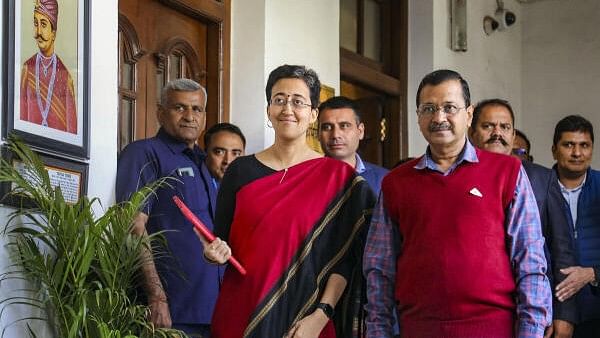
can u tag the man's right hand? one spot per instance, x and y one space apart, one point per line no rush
562 329
159 313
577 278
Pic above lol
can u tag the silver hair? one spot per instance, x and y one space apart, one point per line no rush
183 85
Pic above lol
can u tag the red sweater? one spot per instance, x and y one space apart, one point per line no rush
454 274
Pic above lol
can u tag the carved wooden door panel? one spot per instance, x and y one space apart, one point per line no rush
163 40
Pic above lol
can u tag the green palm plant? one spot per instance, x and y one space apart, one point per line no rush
83 270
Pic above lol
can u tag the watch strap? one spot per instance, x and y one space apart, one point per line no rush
327 309
596 281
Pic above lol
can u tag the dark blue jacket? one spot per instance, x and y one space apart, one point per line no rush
555 227
374 174
586 238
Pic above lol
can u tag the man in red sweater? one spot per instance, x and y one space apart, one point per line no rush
455 239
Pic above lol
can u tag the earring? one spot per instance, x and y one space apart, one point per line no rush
269 124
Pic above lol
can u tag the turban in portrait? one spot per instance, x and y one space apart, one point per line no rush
49 8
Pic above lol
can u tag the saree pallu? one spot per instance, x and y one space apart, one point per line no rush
290 230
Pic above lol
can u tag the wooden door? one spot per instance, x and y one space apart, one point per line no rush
161 40
373 49
375 118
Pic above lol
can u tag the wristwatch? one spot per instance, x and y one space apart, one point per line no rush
327 309
596 281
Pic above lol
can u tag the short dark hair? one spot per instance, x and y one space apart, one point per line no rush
572 123
491 102
307 75
338 102
219 127
442 75
524 137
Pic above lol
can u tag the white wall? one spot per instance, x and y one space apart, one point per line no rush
247 70
491 65
103 139
293 32
420 62
561 69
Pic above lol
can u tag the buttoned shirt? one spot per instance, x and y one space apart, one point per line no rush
191 284
534 298
360 166
572 196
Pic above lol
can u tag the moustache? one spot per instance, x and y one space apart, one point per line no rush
495 138
38 36
434 126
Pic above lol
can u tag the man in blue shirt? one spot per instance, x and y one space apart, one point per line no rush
181 288
579 196
340 132
223 142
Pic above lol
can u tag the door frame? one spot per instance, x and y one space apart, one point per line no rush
217 16
389 77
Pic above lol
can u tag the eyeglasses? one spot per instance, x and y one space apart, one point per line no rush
520 152
427 110
297 103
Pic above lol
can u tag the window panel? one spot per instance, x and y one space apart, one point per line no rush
349 25
174 66
125 122
372 30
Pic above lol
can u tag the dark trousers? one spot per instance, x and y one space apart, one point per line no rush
194 330
589 329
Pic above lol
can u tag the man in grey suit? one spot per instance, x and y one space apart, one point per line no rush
492 129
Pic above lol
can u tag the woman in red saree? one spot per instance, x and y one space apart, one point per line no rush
296 221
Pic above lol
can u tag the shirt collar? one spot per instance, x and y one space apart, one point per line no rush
360 165
572 190
176 146
468 154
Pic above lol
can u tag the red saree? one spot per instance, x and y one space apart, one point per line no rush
290 230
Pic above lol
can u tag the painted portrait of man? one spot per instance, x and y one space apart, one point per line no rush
47 91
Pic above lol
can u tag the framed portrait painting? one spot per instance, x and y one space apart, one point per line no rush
46 92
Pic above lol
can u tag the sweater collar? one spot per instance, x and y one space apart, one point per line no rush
468 154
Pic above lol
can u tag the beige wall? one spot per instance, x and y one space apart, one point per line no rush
293 32
561 69
491 65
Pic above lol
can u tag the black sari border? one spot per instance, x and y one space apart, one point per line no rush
310 279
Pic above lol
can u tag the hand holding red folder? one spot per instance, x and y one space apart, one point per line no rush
204 230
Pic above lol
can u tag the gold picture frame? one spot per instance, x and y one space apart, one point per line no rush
312 136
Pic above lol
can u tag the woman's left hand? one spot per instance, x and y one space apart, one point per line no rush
309 326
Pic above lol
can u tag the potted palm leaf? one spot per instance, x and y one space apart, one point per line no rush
82 268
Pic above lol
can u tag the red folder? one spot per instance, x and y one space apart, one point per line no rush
204 230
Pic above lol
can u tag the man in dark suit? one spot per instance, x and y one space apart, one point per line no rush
578 190
340 132
493 129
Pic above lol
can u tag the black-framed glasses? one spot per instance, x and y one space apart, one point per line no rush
296 102
427 110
